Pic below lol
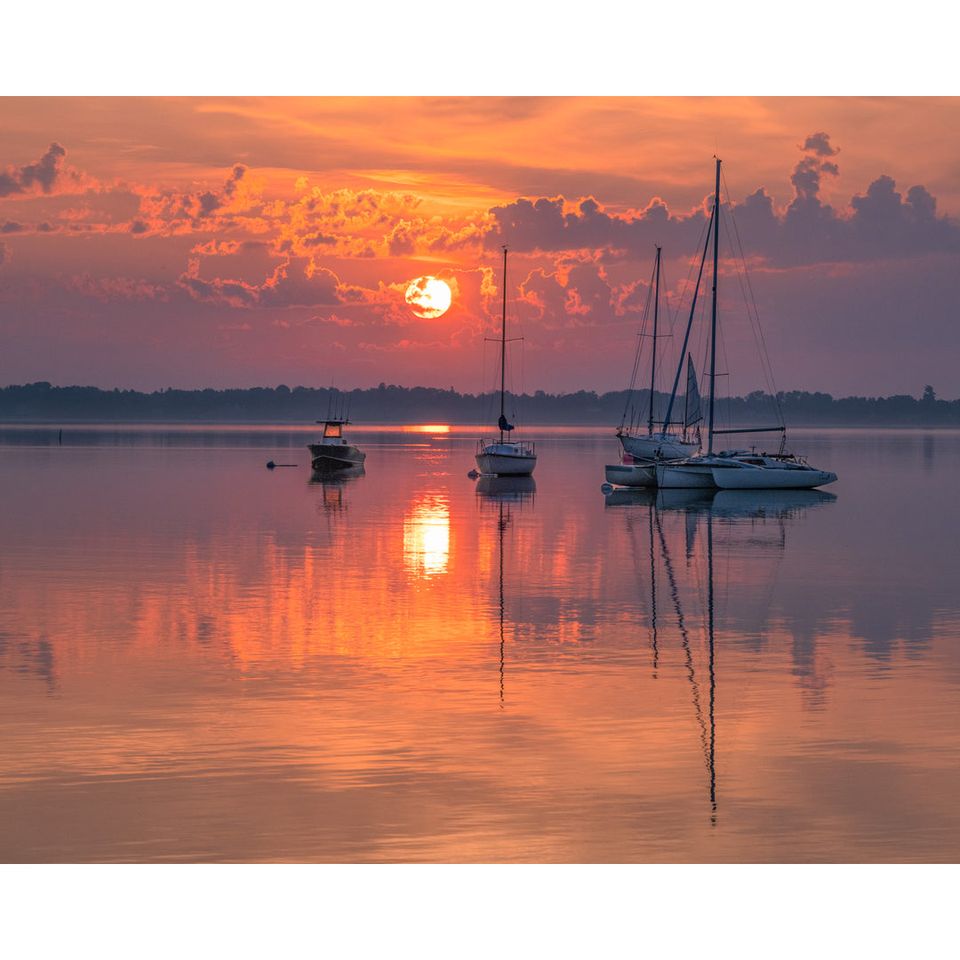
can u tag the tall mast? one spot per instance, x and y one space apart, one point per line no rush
686 336
713 315
653 355
503 342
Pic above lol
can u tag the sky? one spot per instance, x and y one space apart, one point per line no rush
216 242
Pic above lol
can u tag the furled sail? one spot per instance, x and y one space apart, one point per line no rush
503 424
692 413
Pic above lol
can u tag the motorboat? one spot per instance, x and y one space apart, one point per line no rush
332 451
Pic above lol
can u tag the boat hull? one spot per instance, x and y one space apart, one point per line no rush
327 456
506 458
657 447
631 475
506 465
685 476
770 478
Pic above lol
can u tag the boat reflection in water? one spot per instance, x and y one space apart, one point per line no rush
503 494
337 477
708 517
334 483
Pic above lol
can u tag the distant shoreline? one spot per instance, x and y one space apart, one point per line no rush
42 403
364 426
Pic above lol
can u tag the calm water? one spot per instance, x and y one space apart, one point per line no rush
201 659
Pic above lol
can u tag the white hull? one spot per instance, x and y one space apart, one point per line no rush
631 475
770 478
506 465
507 458
685 476
658 447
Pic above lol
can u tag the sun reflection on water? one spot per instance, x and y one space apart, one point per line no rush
432 428
426 537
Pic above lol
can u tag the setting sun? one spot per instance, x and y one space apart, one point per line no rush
429 297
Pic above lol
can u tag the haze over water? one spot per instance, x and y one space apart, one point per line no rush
201 659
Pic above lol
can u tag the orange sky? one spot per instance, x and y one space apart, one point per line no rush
234 242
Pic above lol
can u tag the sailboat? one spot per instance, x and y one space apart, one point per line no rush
737 469
643 473
654 444
505 457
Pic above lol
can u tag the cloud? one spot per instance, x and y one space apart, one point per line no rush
236 203
295 282
878 224
819 144
807 173
554 223
116 288
47 175
576 294
401 240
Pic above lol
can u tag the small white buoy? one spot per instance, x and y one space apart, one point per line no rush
606 487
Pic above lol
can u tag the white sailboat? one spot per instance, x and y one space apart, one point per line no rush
736 469
505 457
769 472
643 451
662 443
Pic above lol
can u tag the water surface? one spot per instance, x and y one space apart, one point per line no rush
201 659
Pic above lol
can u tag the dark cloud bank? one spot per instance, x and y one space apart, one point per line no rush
880 223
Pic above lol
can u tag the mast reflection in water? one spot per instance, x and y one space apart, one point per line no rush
750 511
507 494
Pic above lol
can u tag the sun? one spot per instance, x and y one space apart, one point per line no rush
429 297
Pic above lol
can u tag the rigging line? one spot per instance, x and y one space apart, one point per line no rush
671 321
523 379
686 337
754 320
644 320
726 399
757 332
692 263
753 301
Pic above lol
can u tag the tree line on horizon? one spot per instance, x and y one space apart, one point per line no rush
396 404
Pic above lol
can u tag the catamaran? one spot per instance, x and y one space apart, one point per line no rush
735 469
505 457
